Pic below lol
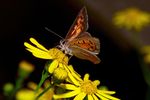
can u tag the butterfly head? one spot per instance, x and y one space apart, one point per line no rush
64 46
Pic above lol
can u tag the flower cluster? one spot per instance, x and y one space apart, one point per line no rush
24 70
131 18
134 20
146 52
64 77
29 93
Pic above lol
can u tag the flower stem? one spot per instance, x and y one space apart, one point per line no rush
18 85
45 90
136 40
45 75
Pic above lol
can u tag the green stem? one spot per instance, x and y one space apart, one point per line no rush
136 40
45 75
18 85
45 90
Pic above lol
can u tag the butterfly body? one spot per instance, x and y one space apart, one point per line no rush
80 43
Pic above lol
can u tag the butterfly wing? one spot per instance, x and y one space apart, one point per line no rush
79 26
86 47
86 41
84 54
80 42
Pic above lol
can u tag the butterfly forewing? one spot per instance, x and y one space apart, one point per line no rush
79 26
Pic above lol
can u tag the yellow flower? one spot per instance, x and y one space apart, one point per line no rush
29 94
60 73
8 88
85 88
60 60
40 51
47 95
26 66
64 72
25 94
25 69
54 54
146 51
131 18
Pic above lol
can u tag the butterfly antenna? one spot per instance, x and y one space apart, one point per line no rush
53 32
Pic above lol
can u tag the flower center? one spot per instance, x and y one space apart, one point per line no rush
88 87
59 55
133 14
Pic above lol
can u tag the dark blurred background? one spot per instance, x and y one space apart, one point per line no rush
22 19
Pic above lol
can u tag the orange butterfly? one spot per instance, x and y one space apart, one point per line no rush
80 43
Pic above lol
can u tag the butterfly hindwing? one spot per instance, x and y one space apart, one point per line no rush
84 54
86 41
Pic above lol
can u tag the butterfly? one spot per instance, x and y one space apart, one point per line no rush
79 42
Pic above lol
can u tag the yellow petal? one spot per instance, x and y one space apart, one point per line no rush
96 82
107 92
90 97
53 66
94 97
74 73
101 97
37 44
80 96
37 52
67 95
71 68
29 46
73 80
40 54
86 77
69 86
108 96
